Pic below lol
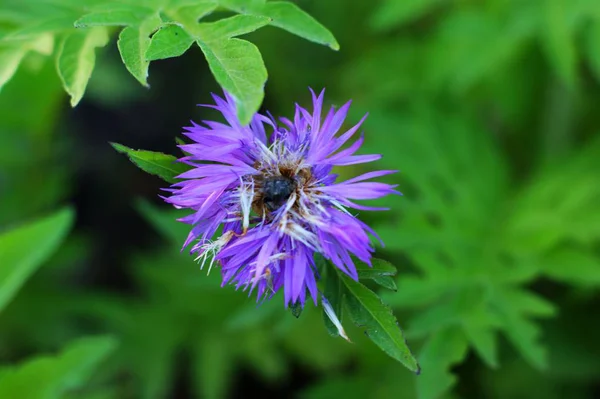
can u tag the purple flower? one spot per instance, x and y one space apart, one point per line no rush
273 199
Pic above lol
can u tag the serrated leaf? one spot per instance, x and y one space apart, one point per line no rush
25 248
484 341
444 349
366 309
514 308
169 41
156 163
230 27
133 44
76 58
238 67
55 376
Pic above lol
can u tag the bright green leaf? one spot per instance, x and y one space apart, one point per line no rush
196 10
444 349
394 13
287 16
169 41
290 17
366 309
53 377
10 58
239 69
131 15
575 266
484 341
156 163
213 366
133 44
76 58
25 248
230 27
559 41
50 25
593 47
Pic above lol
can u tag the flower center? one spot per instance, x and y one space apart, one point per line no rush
276 190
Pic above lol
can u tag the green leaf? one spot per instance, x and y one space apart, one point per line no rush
379 267
575 266
386 282
213 365
169 41
592 46
289 16
444 349
76 58
484 340
10 58
54 377
559 41
515 306
133 44
45 26
394 13
155 163
25 248
380 272
195 11
131 15
14 52
366 309
239 69
230 27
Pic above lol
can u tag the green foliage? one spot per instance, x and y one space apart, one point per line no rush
168 318
367 310
152 30
488 108
25 248
54 377
76 58
162 165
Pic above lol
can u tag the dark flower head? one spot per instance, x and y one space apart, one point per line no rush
273 201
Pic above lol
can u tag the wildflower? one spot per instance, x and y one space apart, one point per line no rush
273 199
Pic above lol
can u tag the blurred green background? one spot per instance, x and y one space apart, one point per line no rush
489 109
